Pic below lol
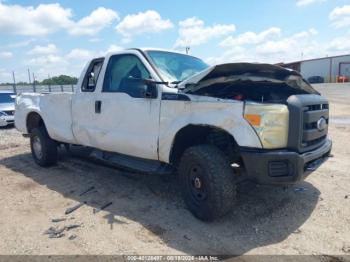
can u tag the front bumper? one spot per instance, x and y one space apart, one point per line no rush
283 167
7 120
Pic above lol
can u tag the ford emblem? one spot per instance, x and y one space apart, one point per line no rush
321 124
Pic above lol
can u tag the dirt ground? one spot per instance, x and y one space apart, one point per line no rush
147 215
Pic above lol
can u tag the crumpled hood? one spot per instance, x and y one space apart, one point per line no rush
243 71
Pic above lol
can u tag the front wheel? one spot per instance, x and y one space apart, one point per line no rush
207 182
44 149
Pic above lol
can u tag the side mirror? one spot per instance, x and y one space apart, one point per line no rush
144 87
91 81
150 90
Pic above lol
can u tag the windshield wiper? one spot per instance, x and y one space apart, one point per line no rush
151 81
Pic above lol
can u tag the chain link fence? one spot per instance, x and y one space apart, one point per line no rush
18 89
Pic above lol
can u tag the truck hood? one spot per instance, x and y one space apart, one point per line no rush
231 72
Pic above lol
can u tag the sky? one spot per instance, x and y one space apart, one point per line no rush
59 37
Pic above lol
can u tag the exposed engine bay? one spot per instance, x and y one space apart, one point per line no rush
249 82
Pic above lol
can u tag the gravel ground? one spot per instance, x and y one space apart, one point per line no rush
148 216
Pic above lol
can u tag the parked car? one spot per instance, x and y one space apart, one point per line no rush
7 108
342 79
156 111
316 80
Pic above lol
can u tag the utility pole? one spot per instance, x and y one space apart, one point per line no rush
34 87
187 50
49 83
14 82
29 76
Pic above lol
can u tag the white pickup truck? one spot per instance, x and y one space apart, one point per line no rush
157 111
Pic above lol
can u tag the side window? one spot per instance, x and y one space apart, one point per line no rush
91 76
120 73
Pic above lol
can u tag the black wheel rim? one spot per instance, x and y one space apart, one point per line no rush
197 184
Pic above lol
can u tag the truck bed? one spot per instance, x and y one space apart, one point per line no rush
55 110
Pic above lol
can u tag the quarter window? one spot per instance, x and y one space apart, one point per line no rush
91 77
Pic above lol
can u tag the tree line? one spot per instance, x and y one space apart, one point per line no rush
56 80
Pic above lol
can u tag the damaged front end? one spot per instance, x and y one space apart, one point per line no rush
262 83
263 88
288 115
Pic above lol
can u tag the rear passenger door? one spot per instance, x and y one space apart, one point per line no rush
124 119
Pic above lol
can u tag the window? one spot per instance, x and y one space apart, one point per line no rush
120 71
7 97
174 67
92 74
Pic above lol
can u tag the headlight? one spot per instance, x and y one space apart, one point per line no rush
3 113
271 123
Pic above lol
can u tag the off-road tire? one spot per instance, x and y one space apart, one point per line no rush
216 178
49 153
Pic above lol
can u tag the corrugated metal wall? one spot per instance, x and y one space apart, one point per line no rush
328 68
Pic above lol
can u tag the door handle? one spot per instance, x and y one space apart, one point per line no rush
98 105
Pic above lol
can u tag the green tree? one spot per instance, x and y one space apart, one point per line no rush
60 80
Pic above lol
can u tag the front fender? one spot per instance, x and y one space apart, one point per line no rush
222 114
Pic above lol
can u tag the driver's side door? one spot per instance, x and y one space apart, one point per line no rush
126 118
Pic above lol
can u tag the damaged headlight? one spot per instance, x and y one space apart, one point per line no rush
271 123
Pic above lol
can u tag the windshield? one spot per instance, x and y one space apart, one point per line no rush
7 98
174 67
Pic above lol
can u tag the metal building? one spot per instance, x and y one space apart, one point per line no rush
331 69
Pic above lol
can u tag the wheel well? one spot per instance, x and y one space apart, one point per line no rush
192 135
34 120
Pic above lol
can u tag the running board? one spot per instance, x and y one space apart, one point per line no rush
130 163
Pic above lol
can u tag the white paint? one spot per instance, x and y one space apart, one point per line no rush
205 111
126 125
54 109
133 126
4 119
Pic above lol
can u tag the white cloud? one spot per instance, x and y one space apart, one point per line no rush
43 50
270 46
47 61
54 64
80 54
341 43
193 32
5 75
6 54
340 16
140 23
30 21
114 48
308 2
252 37
70 63
95 22
18 44
48 18
288 44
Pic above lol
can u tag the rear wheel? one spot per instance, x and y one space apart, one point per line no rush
44 149
207 182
